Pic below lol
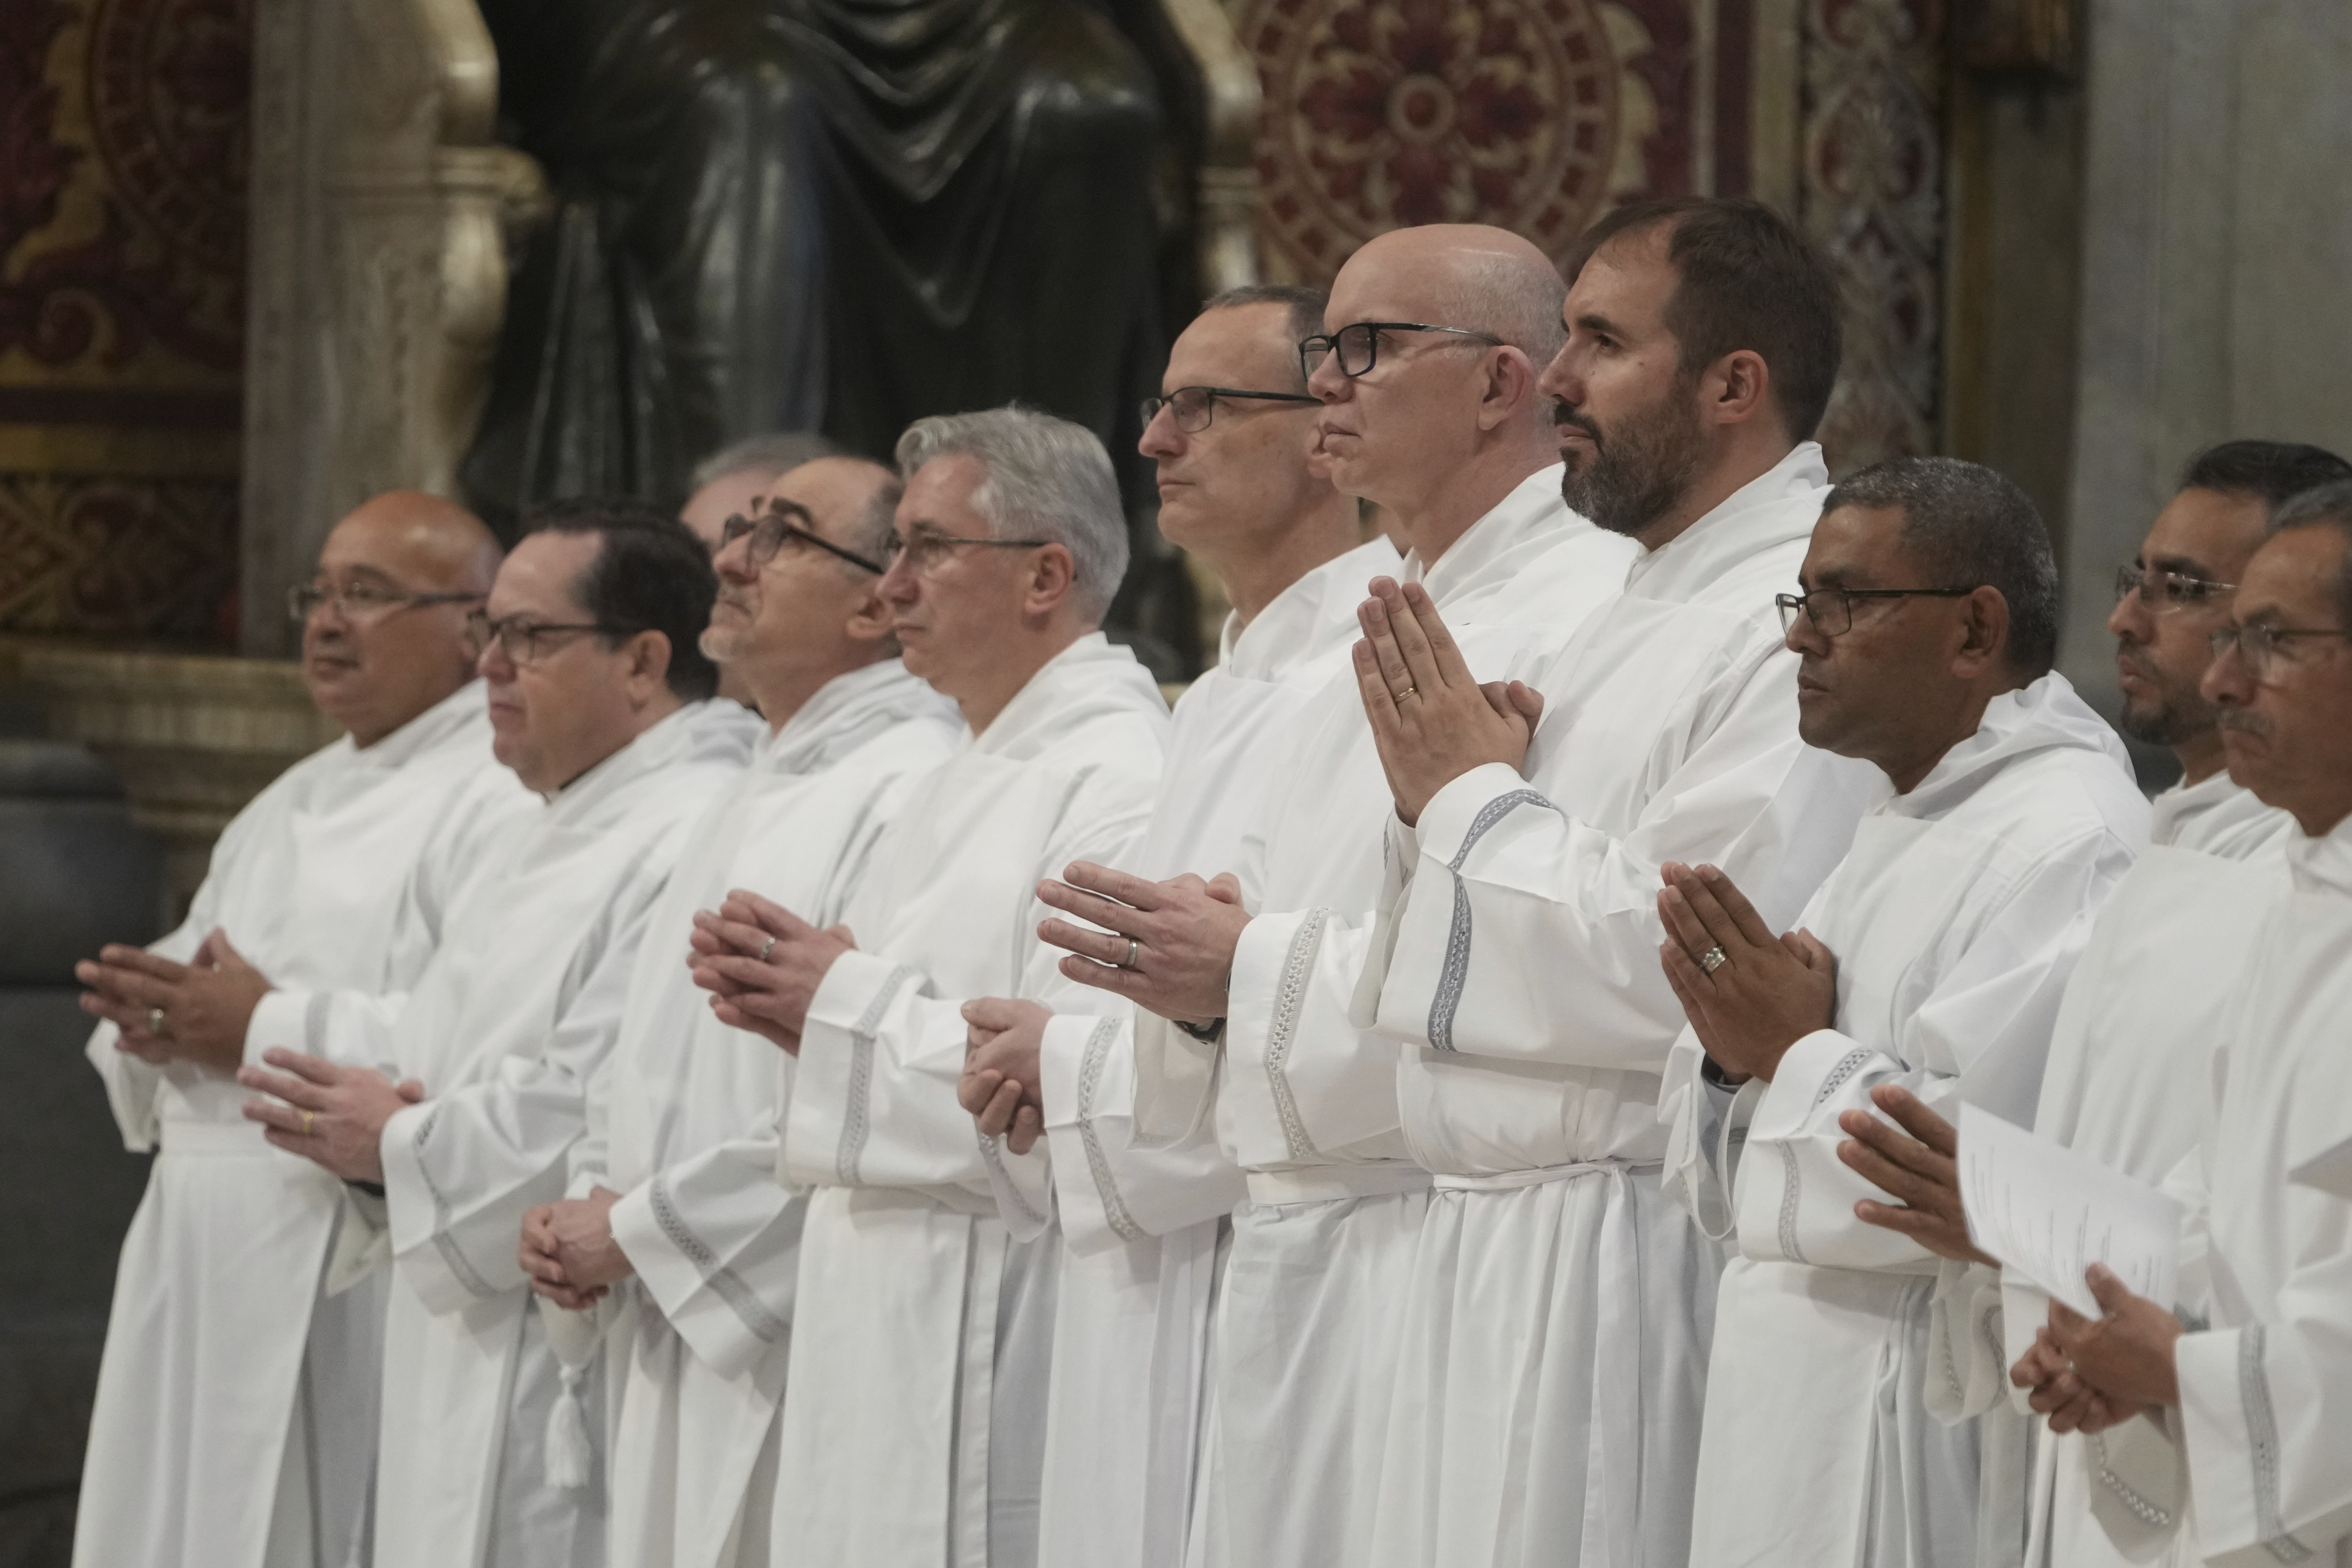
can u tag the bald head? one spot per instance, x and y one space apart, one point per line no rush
386 639
1473 275
1443 425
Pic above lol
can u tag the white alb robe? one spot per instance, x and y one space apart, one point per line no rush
1561 1306
2257 1449
2146 1004
235 1415
899 1446
500 1032
1956 919
1304 1100
1141 1224
682 1123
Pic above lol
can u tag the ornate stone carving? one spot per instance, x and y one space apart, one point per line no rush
1873 199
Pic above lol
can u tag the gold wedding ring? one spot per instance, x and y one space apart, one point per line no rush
1409 691
306 1124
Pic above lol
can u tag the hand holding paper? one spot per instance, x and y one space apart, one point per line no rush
2050 1213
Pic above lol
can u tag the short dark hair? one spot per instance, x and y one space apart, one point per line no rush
2325 506
1305 304
1968 526
1745 279
652 575
2271 472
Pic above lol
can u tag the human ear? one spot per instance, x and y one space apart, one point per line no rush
1510 385
1738 387
648 664
1986 629
870 621
1051 577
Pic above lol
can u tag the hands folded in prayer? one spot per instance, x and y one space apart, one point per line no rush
762 965
203 1006
1432 719
1749 995
569 1251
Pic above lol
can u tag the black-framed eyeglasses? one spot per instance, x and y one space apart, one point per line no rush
1831 610
364 602
525 643
926 550
1358 346
2258 645
2162 591
780 521
1193 406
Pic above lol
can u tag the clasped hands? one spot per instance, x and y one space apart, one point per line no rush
202 1006
1432 719
569 1251
763 964
1749 995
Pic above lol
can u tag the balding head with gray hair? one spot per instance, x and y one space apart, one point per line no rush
1047 479
1512 295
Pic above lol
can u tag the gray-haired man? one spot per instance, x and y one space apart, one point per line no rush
916 1301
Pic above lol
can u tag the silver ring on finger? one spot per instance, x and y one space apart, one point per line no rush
766 948
155 1021
1134 950
1714 958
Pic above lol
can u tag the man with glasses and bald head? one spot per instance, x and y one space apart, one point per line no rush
237 1400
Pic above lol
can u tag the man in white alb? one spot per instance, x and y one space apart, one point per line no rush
1241 491
914 1412
731 482
1427 372
2145 1004
1933 958
235 1415
600 704
1561 1304
2223 1418
674 1186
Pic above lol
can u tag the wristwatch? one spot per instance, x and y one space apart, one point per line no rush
1208 1034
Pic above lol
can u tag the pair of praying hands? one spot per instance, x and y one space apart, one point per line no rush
1749 995
196 1012
2084 1374
1167 947
1432 719
763 964
569 1251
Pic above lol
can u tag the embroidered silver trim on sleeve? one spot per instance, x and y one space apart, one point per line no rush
2149 1512
1847 1066
729 1286
1455 969
2261 1441
1791 1186
1290 997
1090 1072
854 1114
443 1242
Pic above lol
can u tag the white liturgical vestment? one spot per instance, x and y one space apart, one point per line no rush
1559 1306
235 1424
1304 1100
682 1123
2149 1001
1140 1224
2266 1267
913 1429
1956 920
498 1033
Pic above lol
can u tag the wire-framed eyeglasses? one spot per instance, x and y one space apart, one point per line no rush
926 550
1192 407
1358 346
526 642
2258 645
360 603
2162 591
780 521
1831 610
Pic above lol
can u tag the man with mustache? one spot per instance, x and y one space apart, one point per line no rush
1933 958
1143 1228
2228 1407
600 706
1426 368
675 1210
236 1414
1558 1312
2145 1004
922 1324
